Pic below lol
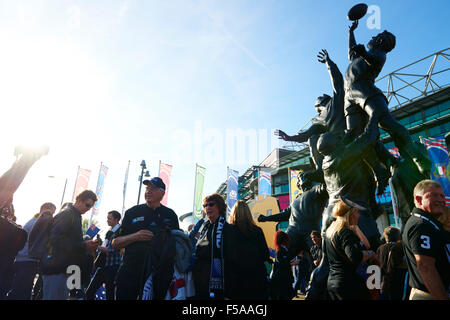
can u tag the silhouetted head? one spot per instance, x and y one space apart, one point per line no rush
303 182
321 102
384 40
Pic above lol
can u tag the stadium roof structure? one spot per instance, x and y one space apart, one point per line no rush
417 80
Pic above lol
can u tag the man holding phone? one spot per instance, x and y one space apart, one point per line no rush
66 246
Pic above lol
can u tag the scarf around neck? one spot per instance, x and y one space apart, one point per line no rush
216 281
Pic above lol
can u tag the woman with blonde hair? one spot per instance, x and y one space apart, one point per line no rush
343 248
250 279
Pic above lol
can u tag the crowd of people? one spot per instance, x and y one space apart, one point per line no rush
147 256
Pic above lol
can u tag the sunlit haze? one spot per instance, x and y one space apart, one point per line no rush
117 80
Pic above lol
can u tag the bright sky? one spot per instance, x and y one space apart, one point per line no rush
117 80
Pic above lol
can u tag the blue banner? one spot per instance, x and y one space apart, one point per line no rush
232 189
265 183
440 171
99 190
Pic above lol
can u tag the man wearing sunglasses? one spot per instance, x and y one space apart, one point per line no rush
66 246
135 234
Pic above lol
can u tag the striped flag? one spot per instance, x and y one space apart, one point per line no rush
81 183
165 171
438 155
395 152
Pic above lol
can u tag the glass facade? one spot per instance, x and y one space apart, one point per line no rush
422 117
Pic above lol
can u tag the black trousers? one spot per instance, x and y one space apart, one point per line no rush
22 285
128 282
6 276
102 275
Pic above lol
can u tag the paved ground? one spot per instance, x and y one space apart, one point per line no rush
299 297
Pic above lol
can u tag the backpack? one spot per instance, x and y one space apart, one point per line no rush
12 239
39 236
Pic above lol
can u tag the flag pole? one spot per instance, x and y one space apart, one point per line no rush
226 193
259 181
195 191
125 187
92 210
290 182
159 169
75 185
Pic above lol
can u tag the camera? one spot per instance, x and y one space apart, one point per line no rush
23 149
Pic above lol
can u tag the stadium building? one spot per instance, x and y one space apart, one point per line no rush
419 98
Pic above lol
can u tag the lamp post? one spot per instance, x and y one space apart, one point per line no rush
64 190
147 174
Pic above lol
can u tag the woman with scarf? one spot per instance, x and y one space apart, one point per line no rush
212 252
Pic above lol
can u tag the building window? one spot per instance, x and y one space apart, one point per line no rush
431 111
435 131
444 108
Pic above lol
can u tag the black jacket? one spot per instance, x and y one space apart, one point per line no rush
249 278
281 278
66 245
343 258
39 235
12 239
201 270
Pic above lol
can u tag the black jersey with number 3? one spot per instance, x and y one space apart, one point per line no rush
424 235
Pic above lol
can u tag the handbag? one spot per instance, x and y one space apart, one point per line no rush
55 258
53 262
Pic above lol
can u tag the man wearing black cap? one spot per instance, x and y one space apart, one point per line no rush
135 234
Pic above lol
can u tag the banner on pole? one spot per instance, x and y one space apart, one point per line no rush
232 189
440 171
264 183
165 171
198 191
99 189
293 189
82 182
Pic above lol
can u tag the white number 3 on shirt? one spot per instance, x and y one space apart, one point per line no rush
425 242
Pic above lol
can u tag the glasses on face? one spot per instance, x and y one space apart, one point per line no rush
209 204
152 188
88 205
